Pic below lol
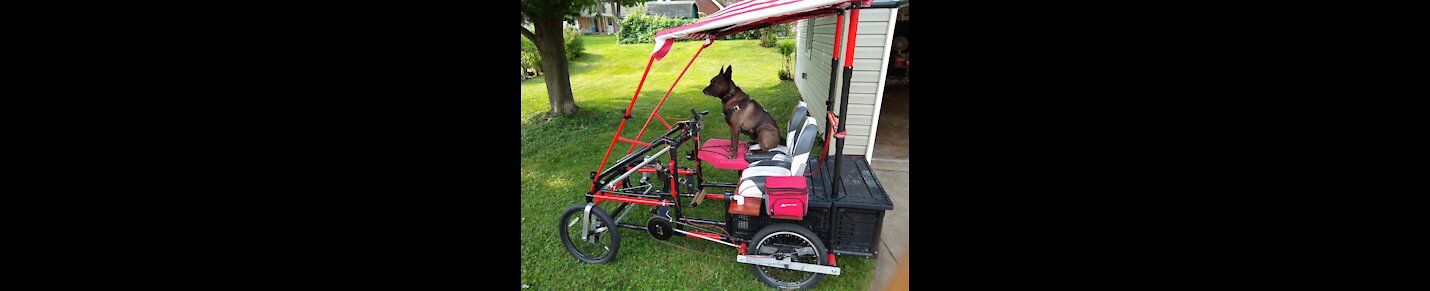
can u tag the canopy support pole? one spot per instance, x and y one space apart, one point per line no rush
656 112
844 101
843 125
627 116
829 102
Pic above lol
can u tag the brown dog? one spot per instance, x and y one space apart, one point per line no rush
743 114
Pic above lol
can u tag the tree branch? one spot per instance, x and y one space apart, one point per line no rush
528 34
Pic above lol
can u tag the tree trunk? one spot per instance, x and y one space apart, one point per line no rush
617 8
554 65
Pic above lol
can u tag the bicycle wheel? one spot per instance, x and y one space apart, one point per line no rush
600 241
784 240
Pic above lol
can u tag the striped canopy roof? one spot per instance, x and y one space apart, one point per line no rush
747 15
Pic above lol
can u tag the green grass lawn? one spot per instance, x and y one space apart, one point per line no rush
557 155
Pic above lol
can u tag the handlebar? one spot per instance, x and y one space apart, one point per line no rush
698 116
697 119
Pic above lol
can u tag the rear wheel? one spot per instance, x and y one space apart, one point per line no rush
600 241
784 240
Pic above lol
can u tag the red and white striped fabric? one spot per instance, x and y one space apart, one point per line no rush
747 15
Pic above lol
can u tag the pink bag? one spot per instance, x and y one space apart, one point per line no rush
788 198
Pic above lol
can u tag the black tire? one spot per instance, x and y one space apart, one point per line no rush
768 274
604 219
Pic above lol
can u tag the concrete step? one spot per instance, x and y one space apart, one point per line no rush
897 165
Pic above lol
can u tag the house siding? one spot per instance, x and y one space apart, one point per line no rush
814 39
672 9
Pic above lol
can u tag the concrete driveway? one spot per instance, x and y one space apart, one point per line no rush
893 174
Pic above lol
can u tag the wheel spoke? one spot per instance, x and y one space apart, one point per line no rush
792 247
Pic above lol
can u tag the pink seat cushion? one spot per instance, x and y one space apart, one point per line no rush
713 152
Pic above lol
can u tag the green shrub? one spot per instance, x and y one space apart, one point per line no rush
786 49
639 27
574 45
530 58
768 39
748 34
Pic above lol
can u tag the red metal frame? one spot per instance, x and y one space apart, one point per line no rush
600 196
606 195
633 142
623 122
848 62
674 186
656 112
649 170
697 234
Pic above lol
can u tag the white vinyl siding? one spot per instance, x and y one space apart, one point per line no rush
814 39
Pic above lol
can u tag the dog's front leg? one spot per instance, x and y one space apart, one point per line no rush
734 140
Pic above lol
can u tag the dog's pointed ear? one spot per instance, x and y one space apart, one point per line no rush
730 70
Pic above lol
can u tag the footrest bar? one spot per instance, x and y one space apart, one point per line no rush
787 264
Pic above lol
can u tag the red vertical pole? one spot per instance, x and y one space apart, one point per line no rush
623 122
853 35
838 28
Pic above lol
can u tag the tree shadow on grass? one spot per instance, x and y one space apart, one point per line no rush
585 63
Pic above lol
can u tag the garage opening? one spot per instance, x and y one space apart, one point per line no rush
891 140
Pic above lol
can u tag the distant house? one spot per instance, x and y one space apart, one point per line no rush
674 9
606 20
711 6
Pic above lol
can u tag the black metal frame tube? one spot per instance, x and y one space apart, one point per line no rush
833 74
703 221
839 143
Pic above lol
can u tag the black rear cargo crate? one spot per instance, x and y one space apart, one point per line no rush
745 226
850 223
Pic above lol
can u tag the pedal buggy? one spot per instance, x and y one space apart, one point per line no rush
784 218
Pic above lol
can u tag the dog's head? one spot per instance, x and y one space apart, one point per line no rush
720 84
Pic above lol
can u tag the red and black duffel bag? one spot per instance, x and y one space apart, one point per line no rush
788 198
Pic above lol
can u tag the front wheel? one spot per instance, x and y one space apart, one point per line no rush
600 240
784 240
